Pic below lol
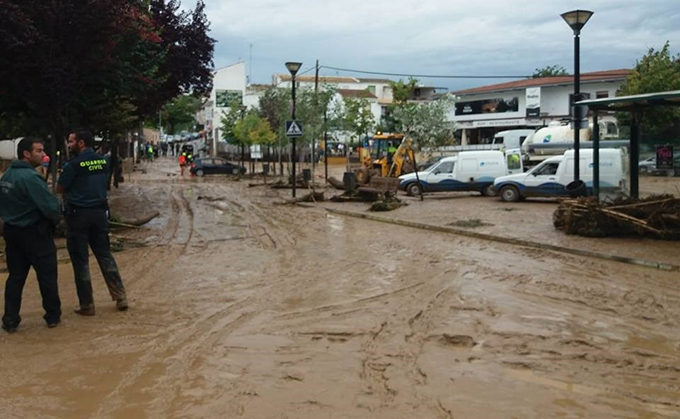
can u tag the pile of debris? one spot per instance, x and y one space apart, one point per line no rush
388 202
655 216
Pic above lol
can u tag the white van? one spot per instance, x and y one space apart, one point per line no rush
512 138
467 171
550 178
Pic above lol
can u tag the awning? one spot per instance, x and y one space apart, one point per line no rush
633 102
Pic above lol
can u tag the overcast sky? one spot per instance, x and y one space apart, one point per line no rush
442 37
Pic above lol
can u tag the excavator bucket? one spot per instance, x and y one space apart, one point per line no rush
379 187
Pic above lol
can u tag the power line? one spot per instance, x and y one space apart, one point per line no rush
347 70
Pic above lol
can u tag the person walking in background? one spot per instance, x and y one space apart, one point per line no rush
29 212
84 180
182 163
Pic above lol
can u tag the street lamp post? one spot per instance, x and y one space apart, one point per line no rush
293 68
576 19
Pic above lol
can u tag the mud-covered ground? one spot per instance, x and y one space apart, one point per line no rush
241 307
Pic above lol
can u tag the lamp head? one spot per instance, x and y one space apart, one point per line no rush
577 19
293 67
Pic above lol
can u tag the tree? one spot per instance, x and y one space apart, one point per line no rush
74 61
550 71
425 123
403 91
180 113
657 71
273 107
187 63
358 118
229 120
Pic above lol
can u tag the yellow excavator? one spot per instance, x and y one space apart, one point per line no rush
390 156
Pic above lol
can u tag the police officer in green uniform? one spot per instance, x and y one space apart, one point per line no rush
29 212
84 181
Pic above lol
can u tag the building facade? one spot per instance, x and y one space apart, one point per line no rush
533 103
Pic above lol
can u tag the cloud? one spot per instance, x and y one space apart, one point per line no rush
437 37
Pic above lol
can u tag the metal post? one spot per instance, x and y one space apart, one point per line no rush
325 143
577 95
596 156
316 110
634 154
293 157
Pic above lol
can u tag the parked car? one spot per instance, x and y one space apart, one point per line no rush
467 171
215 166
550 178
675 171
647 165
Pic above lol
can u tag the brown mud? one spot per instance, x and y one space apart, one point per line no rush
244 308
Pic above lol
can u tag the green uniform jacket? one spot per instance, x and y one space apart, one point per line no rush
25 198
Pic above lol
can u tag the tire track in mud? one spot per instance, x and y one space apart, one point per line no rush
408 333
180 351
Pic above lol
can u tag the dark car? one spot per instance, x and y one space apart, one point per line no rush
215 166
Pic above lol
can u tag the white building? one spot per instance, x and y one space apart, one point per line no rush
229 83
532 103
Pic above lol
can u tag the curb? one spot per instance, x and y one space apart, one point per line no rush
507 240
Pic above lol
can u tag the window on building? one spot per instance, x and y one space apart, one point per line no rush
371 89
602 95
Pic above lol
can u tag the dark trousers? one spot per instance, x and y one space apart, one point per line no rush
91 227
26 247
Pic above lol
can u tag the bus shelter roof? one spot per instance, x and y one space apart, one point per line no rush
633 102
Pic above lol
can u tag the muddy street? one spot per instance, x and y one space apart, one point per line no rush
245 308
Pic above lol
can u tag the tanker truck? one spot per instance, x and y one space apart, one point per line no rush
557 138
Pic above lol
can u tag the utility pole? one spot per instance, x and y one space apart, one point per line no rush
316 111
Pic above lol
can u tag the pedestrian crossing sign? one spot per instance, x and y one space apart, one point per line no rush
293 129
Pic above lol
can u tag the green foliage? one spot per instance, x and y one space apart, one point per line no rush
229 119
274 107
309 109
358 118
403 91
180 113
426 123
253 129
101 64
551 70
657 71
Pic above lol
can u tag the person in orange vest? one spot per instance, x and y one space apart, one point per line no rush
182 162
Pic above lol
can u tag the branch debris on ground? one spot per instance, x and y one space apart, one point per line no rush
655 216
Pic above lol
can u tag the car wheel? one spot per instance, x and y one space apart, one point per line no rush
414 189
200 173
488 190
235 171
510 194
670 173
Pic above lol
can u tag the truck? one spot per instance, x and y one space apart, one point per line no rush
551 177
467 171
557 138
513 138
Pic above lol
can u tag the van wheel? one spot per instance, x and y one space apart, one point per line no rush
200 173
488 191
670 173
510 194
414 189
